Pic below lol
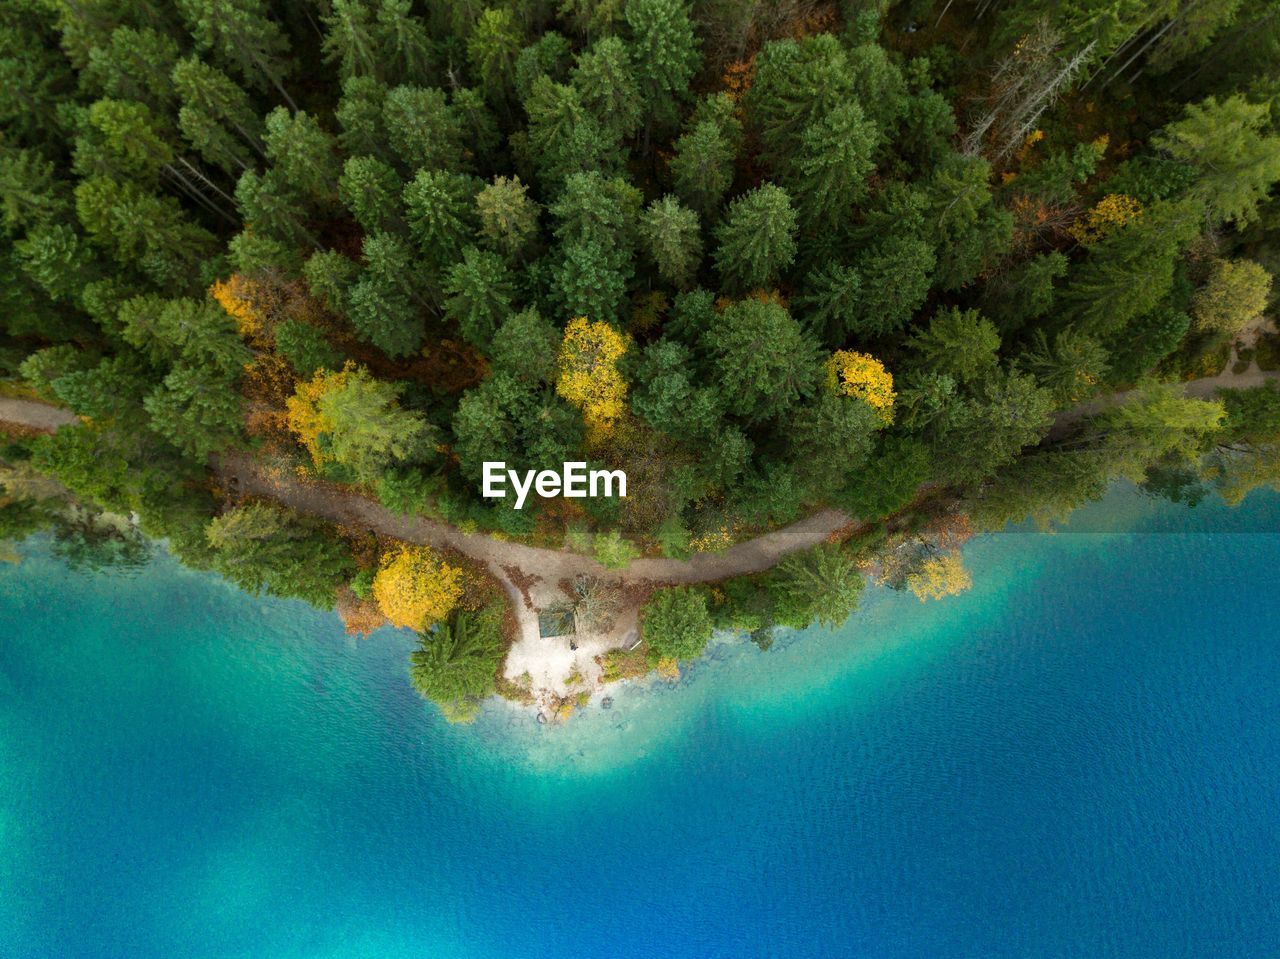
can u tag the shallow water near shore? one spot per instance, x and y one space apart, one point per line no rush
1080 757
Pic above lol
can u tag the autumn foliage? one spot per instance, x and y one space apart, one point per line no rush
862 376
414 588
940 576
1111 213
243 299
588 372
304 417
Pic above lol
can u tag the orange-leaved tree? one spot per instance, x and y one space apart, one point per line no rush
861 375
415 588
246 301
588 373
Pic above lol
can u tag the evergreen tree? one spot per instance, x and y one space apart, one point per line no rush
758 238
664 51
796 84
508 216
493 48
959 343
216 116
1226 142
241 35
605 80
828 173
762 359
134 65
421 129
442 214
360 116
371 190
703 167
301 154
671 236
480 292
350 40
524 347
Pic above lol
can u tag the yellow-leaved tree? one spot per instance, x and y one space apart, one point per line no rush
246 301
1111 213
861 375
940 576
587 364
415 588
303 413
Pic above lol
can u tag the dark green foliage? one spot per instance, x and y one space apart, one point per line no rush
757 240
959 343
525 347
1129 272
456 664
441 212
832 436
266 548
425 195
821 585
422 130
1024 292
306 348
371 190
675 623
480 292
763 361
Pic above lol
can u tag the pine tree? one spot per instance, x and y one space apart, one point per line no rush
405 45
1127 274
563 137
492 49
797 83
670 233
197 409
591 281
508 216
371 190
382 314
1225 141
758 238
703 167
524 347
349 39
605 80
763 361
832 301
1071 367
360 115
969 231
480 292
442 215
959 343
829 171
664 50
422 130
134 65
302 154
240 34
216 115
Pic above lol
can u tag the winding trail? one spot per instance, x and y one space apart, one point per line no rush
532 576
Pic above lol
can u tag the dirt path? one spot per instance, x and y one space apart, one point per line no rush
34 415
532 576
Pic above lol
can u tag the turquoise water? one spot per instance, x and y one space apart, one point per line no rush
1080 757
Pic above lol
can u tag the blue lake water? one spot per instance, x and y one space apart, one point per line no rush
1078 758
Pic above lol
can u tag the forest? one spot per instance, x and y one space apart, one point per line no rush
936 265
